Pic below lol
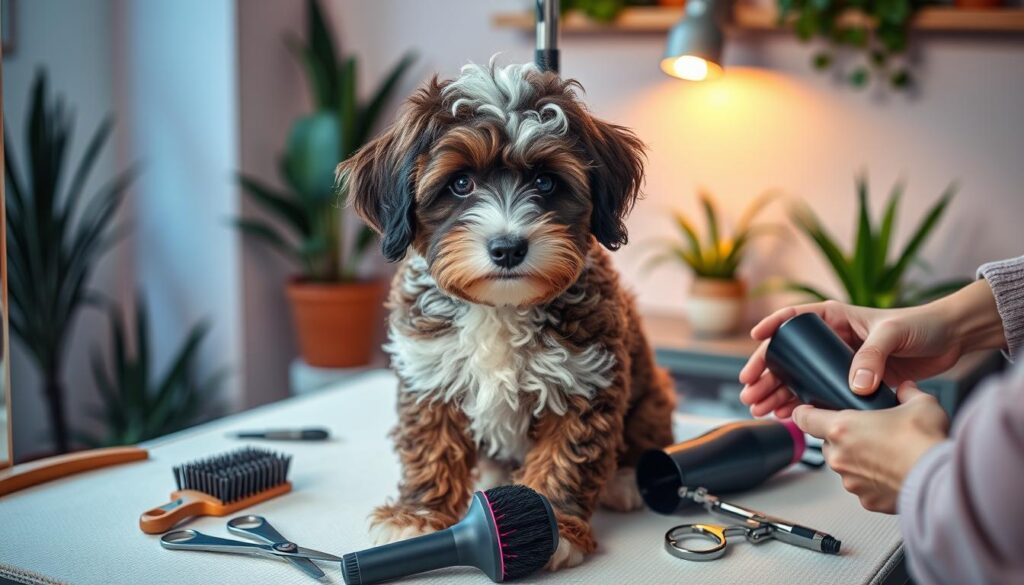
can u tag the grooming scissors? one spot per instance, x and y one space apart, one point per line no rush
256 528
756 527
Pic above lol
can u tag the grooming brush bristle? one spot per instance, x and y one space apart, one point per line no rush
526 527
234 475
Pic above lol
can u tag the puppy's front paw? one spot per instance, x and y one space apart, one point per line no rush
392 523
566 556
621 493
574 543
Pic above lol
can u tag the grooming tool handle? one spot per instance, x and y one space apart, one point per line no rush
193 540
406 557
184 504
810 359
29 474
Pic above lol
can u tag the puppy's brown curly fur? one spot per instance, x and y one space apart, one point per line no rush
574 454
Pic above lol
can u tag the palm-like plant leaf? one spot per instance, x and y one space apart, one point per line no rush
338 127
324 52
372 111
54 243
711 217
867 276
924 229
137 406
269 236
719 256
863 265
690 233
279 204
888 226
808 222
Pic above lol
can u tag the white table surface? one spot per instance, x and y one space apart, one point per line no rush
84 529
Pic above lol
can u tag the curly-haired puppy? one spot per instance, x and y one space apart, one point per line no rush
520 355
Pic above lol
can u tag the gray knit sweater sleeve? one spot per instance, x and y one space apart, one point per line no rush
1006 277
959 507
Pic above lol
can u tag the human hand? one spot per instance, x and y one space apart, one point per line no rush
874 451
891 344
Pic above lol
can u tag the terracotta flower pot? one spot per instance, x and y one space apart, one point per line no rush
715 306
338 325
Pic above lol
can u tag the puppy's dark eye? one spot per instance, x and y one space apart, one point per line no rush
462 185
544 183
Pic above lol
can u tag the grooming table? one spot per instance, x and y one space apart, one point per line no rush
84 529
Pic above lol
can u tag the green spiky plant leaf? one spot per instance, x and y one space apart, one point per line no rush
138 404
309 211
869 277
717 255
55 237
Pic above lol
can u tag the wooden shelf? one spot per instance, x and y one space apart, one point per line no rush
657 20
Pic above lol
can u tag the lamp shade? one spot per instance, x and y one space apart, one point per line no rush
694 49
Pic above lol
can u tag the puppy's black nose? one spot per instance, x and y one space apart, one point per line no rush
508 251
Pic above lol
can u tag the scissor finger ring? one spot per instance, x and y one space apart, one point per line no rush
712 535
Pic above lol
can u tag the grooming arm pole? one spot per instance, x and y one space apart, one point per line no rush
546 55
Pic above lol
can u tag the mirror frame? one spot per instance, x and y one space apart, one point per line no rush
6 459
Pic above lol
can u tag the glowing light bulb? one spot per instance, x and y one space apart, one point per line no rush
690 68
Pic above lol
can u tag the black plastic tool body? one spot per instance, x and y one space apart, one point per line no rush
810 359
732 457
472 542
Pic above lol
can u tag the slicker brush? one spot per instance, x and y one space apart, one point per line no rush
508 533
220 485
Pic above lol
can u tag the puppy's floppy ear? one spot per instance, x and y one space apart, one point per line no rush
616 176
381 176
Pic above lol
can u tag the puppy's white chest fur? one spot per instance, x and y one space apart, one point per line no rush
500 364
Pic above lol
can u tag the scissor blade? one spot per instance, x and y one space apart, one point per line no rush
307 566
315 554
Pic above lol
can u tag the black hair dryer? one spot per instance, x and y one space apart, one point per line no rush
732 457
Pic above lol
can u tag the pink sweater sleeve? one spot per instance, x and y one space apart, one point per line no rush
960 507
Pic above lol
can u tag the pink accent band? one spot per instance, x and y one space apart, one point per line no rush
799 441
497 530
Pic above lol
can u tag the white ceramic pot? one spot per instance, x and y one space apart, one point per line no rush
715 306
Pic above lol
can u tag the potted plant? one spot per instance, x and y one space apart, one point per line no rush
336 312
138 406
866 273
56 233
717 296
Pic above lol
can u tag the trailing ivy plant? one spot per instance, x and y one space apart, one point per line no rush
602 10
874 29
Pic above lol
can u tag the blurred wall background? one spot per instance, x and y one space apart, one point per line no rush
202 88
771 122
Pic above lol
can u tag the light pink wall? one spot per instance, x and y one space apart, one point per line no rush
272 93
771 123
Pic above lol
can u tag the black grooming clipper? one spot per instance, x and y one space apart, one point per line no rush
810 359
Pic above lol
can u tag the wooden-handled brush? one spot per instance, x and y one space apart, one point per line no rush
220 485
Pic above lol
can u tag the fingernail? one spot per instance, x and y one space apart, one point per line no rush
863 379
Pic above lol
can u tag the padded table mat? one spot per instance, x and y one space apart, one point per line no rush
84 529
